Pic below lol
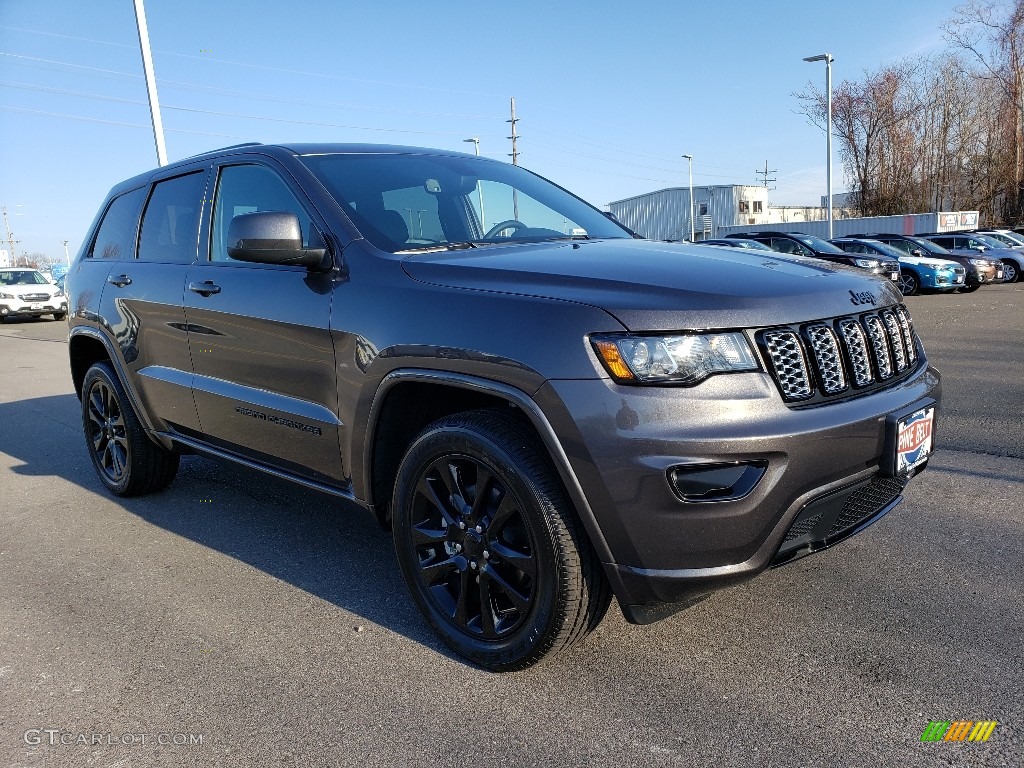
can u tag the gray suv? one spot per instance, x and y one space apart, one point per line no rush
545 410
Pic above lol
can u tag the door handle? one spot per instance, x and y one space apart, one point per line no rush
206 288
120 281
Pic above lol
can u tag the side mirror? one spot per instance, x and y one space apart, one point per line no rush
271 237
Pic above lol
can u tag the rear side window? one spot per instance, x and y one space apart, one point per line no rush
170 225
116 236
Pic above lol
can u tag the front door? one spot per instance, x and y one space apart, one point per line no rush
259 334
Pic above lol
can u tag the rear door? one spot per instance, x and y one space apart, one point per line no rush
148 300
259 335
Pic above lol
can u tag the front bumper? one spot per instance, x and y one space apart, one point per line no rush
16 308
668 553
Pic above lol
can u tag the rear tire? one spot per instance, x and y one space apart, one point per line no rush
490 546
127 461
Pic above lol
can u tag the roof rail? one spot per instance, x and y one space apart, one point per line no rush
223 149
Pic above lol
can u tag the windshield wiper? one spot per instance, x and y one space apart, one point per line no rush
457 246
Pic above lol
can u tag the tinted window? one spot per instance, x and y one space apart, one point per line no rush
170 225
116 236
817 244
245 189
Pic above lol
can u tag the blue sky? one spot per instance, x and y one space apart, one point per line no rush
609 95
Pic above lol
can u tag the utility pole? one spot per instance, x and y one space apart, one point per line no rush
514 136
11 242
765 173
67 256
515 158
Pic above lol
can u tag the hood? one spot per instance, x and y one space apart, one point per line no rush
932 262
655 286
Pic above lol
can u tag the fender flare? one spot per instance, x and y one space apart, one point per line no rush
521 400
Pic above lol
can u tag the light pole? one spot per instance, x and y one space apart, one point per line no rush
689 162
479 189
67 256
827 58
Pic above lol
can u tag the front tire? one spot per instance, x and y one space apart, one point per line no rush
126 460
489 545
909 284
970 288
1011 272
60 315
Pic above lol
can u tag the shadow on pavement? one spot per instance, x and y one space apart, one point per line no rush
329 548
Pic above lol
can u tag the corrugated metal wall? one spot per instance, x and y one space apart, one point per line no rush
665 214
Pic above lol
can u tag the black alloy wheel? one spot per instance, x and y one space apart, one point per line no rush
492 552
126 460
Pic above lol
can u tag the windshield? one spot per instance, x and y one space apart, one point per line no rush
888 250
929 247
403 202
22 277
819 245
1005 237
988 241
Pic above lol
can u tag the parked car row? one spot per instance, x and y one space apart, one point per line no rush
938 262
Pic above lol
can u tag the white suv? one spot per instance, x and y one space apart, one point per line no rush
25 292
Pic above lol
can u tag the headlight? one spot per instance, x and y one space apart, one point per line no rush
979 262
679 359
6 295
867 263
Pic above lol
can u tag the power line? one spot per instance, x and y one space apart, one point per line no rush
264 67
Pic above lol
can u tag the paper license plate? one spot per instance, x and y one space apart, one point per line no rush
914 439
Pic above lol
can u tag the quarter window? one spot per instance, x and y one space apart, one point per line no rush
170 225
116 236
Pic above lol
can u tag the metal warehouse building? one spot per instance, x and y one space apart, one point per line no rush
665 214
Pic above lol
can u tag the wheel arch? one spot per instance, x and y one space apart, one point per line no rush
398 406
87 346
84 350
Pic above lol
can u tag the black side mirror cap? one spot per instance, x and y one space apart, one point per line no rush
271 237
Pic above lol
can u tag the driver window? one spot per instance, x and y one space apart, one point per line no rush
245 189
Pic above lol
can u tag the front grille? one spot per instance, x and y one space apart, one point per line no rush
789 364
829 358
865 502
35 297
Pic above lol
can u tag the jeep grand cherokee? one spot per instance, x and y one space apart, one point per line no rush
545 410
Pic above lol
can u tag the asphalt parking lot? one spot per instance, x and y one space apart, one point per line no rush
235 620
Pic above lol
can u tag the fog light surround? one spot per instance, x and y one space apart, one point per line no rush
716 482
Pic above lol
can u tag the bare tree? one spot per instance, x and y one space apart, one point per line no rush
992 33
